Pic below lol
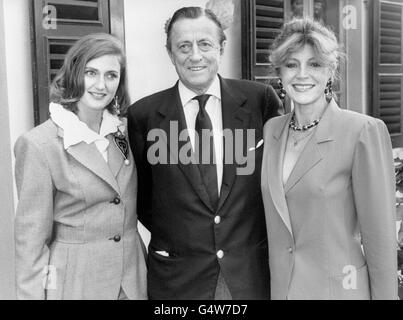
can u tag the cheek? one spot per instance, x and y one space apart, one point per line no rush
113 86
286 76
178 60
88 82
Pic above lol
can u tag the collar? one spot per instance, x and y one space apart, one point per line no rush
76 131
187 95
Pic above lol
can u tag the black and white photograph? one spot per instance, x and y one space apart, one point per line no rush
219 151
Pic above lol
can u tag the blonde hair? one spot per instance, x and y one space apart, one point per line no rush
299 32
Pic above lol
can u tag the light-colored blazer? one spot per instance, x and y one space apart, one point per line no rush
76 224
340 192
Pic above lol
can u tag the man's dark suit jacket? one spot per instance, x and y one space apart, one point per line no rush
174 205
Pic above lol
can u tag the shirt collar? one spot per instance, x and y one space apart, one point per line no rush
76 131
187 95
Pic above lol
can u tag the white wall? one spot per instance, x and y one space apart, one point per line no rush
16 118
149 67
18 67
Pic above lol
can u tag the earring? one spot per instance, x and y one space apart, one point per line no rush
282 91
329 91
116 106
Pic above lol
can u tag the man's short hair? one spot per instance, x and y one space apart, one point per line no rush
193 13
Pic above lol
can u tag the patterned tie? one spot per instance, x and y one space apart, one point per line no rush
206 147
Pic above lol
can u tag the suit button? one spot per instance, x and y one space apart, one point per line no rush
116 201
220 254
117 238
290 250
217 220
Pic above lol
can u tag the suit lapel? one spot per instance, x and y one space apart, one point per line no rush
234 116
115 157
315 148
171 112
89 156
275 159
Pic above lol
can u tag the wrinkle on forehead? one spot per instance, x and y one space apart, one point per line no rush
191 29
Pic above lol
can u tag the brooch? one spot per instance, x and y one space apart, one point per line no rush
121 143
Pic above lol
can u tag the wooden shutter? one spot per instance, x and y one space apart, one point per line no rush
74 19
262 21
387 78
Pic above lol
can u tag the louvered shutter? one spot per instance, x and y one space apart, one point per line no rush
263 20
74 19
387 67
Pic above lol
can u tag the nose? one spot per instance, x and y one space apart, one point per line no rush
196 54
302 72
100 84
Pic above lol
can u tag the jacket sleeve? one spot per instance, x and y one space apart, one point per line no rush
34 219
138 144
273 106
373 182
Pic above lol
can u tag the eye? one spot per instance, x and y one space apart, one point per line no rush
185 47
112 76
315 64
290 65
205 46
90 73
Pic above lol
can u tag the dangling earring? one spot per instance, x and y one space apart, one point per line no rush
329 91
116 106
282 91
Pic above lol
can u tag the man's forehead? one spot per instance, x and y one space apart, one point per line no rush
202 26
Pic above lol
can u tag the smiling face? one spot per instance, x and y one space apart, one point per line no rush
101 81
304 78
196 52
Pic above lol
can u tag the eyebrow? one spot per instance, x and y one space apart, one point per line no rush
312 58
95 69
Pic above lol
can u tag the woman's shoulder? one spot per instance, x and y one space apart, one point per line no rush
275 123
41 134
359 120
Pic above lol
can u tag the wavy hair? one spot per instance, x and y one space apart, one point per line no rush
67 88
299 32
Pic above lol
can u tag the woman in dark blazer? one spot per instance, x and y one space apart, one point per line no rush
327 182
76 224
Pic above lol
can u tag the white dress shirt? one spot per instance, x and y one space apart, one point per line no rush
213 109
76 131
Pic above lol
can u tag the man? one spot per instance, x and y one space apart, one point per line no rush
206 218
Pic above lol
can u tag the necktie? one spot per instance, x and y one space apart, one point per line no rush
205 150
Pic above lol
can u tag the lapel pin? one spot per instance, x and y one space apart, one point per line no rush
121 143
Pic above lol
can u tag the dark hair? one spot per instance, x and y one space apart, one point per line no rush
298 32
67 87
193 13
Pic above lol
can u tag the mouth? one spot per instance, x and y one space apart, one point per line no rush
302 87
195 69
97 95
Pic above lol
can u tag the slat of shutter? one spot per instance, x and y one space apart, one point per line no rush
268 21
390 33
390 102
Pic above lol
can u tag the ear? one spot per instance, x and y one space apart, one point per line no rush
170 55
224 43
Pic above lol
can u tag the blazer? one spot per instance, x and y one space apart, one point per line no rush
174 205
76 223
339 195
